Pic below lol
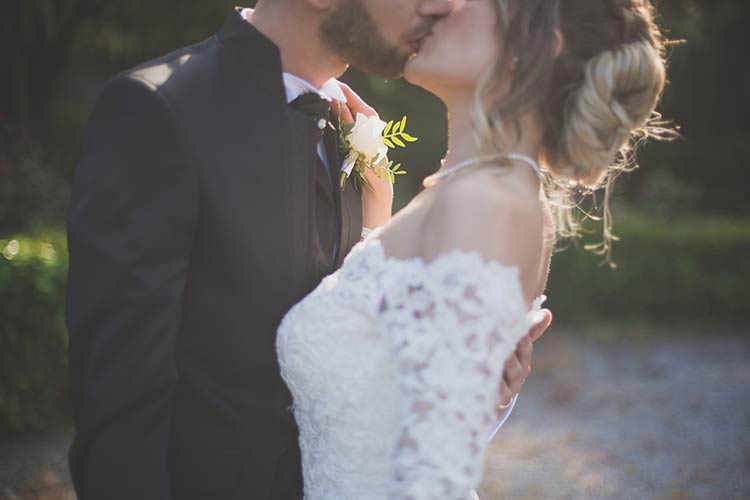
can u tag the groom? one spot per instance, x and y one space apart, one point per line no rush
204 206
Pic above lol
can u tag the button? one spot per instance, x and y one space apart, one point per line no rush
322 123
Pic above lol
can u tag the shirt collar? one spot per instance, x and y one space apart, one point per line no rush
296 86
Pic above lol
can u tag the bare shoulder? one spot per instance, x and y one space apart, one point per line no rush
491 214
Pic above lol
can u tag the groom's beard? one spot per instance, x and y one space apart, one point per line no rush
352 34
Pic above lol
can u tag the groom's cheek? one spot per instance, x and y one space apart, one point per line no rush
393 18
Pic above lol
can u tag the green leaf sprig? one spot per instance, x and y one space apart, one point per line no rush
394 135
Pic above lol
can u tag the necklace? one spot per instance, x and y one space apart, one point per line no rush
433 179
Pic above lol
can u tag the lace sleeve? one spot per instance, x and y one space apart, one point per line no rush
452 324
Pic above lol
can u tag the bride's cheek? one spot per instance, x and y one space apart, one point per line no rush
418 65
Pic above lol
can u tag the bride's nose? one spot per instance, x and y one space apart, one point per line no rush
436 8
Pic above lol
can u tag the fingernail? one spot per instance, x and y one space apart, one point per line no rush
536 317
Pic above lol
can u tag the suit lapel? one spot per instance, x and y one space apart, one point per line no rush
349 199
261 60
351 202
330 141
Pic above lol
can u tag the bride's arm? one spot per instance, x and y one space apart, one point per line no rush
448 328
377 201
449 325
377 195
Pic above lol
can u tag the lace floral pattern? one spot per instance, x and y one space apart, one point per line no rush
394 366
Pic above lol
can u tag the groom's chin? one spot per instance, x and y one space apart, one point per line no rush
388 75
392 69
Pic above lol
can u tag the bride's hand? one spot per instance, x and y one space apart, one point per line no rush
518 365
377 196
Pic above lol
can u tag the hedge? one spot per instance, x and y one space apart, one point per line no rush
694 270
33 344
667 271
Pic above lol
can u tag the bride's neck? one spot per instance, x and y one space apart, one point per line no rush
462 144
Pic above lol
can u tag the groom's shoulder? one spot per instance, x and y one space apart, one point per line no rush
156 87
176 80
171 69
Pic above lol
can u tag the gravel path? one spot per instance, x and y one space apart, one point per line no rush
35 469
629 413
613 413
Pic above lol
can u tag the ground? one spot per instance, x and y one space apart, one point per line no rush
609 413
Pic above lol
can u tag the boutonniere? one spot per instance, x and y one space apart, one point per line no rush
365 144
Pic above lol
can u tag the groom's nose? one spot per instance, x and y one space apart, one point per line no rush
435 8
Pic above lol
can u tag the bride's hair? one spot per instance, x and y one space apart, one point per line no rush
596 99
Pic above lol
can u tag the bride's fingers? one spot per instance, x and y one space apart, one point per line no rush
514 372
505 395
524 351
342 111
515 386
355 103
541 327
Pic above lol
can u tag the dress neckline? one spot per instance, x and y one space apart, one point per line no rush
372 241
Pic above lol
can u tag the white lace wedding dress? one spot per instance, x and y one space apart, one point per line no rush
395 368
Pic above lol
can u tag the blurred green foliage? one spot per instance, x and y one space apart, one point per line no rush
32 193
691 270
675 272
709 97
683 257
33 344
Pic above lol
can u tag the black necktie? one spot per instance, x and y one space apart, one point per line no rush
314 106
319 109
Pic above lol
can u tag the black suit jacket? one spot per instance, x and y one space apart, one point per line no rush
198 218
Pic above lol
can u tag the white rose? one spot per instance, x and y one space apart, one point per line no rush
366 137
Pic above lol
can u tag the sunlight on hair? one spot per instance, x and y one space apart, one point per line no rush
597 100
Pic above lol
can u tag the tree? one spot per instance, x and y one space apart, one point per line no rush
38 37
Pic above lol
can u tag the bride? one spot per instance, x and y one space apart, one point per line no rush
392 359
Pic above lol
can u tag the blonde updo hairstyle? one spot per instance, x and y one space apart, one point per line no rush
596 99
